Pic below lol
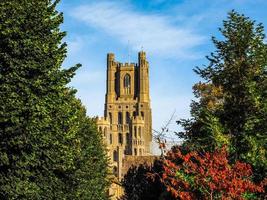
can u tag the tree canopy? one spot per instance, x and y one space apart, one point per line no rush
143 182
49 149
232 99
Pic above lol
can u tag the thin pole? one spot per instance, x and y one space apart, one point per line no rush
128 51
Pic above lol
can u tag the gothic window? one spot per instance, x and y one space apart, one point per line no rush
127 83
110 138
115 156
140 152
110 117
140 131
120 118
117 83
127 138
142 114
127 117
120 138
135 151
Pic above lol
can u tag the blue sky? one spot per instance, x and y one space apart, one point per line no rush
174 33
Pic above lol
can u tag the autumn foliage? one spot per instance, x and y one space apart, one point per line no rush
195 175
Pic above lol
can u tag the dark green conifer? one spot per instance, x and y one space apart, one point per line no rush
49 149
232 106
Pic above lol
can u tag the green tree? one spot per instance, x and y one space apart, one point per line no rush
88 178
143 182
237 113
49 149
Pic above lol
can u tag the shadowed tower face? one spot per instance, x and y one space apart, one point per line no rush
127 122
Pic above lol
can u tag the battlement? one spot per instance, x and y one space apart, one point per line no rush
141 60
126 65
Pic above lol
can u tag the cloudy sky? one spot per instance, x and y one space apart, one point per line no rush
174 33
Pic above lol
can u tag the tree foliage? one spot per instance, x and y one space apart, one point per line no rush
232 100
143 183
49 149
195 175
224 151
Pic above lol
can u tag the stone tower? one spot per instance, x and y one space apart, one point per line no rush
127 122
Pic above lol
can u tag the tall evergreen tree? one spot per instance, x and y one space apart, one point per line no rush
233 104
49 149
88 178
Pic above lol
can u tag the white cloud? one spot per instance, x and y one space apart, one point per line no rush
155 33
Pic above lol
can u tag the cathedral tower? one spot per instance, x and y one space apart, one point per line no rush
127 123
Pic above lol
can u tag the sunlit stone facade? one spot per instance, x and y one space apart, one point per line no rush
126 125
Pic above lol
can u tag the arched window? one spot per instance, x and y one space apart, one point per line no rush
115 156
127 138
120 118
127 117
127 83
110 117
142 114
110 138
120 138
